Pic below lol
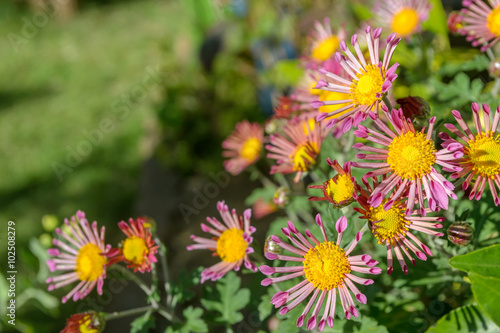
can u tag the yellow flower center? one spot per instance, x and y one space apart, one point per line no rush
325 266
343 190
134 249
411 155
484 153
89 262
325 48
251 149
405 21
333 96
231 246
314 91
308 126
304 155
493 21
364 90
85 324
391 223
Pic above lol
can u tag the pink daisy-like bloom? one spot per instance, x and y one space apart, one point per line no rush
139 249
231 242
368 83
243 146
324 42
481 152
393 228
408 159
298 149
481 22
404 17
326 269
80 255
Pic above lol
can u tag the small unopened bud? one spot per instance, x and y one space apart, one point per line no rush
495 68
460 233
271 246
416 109
282 197
455 22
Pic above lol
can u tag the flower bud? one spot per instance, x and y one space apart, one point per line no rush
282 197
271 246
460 233
416 109
494 69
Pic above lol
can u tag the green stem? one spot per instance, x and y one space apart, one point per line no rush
263 178
496 88
138 281
127 313
387 102
490 54
163 261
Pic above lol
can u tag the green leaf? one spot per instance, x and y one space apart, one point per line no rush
230 299
182 287
143 323
437 21
465 319
265 307
487 294
194 323
484 261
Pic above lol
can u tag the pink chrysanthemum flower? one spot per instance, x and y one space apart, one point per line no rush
392 228
80 256
88 322
481 22
298 149
231 242
481 152
138 250
339 190
404 17
324 42
326 269
243 146
408 161
368 83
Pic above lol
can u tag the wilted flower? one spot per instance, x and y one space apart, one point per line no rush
481 22
339 190
87 322
403 17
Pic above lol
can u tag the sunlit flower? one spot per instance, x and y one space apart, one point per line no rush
408 160
324 42
481 22
327 270
138 250
394 229
298 149
243 146
481 152
88 322
231 242
339 190
404 17
367 84
80 256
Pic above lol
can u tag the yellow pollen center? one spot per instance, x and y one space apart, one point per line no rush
493 21
314 91
325 48
333 96
308 126
84 325
342 190
326 265
231 246
387 225
89 262
405 21
251 149
484 154
411 155
364 90
135 249
304 156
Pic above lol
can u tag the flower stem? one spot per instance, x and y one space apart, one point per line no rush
387 102
138 281
126 313
163 261
490 54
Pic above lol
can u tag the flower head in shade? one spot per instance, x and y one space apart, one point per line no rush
243 146
297 150
231 242
407 164
263 208
79 254
339 190
324 41
286 108
404 17
394 229
138 250
480 164
87 322
481 22
368 82
455 22
326 269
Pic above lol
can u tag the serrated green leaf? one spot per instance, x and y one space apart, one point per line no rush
469 318
194 323
182 286
484 261
265 307
143 323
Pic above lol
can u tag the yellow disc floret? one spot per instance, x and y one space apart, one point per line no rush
388 224
135 249
326 265
333 96
340 189
89 262
404 21
304 156
231 246
250 150
484 154
325 48
364 90
85 323
411 155
493 21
